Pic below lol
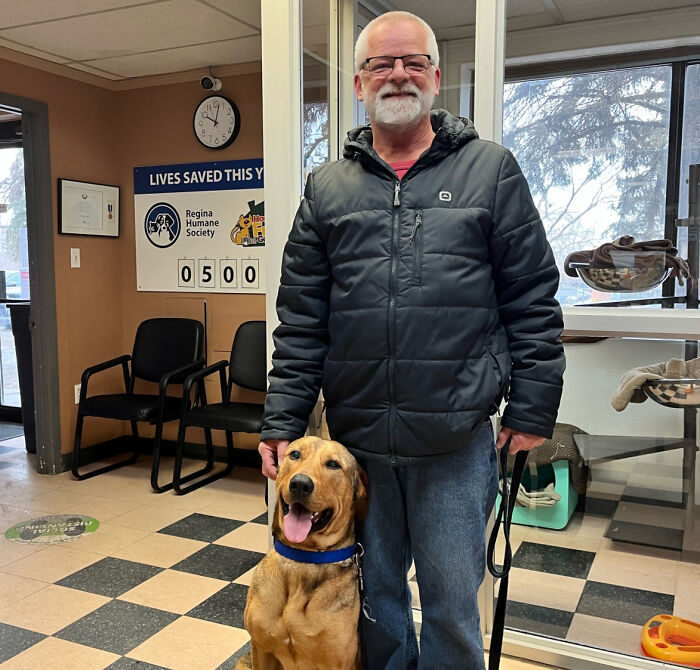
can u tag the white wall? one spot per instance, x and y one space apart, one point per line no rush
593 372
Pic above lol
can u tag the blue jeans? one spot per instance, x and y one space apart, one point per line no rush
435 513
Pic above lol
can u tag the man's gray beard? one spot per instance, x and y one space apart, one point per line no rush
400 113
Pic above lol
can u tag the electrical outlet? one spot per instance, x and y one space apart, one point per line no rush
77 393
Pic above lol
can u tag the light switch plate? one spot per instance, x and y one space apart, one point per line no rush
77 393
75 258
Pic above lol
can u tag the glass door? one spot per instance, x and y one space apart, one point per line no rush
14 263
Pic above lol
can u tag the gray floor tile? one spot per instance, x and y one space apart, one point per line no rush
219 562
261 519
620 603
231 662
225 606
202 527
110 577
4 450
554 560
5 464
132 664
658 497
597 506
650 536
535 619
117 626
15 640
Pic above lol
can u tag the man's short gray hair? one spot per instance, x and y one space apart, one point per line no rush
361 44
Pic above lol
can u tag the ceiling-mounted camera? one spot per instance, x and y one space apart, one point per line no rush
210 83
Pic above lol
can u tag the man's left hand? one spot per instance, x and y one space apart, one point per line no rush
518 441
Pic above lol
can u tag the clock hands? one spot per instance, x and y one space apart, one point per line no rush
206 116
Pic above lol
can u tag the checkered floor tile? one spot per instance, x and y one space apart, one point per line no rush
167 579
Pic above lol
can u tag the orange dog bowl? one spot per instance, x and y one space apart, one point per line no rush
672 639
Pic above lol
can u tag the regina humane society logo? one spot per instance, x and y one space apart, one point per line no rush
162 225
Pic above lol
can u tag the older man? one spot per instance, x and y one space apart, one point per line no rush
418 290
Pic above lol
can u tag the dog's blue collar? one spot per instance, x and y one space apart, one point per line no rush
304 556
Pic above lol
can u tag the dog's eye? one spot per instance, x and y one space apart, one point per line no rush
333 465
295 455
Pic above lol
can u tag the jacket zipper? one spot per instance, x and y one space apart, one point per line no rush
416 240
391 322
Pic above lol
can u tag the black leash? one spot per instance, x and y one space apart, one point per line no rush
504 516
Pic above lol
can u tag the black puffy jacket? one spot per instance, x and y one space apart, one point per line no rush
417 303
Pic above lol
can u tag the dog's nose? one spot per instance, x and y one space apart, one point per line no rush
301 485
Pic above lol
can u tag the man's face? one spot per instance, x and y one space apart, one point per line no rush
399 100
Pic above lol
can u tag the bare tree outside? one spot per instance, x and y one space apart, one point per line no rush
594 149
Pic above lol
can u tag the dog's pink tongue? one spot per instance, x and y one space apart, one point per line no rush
297 523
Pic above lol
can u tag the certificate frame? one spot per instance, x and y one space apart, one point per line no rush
87 208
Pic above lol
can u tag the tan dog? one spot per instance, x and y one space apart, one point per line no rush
304 616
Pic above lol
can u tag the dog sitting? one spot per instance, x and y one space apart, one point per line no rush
303 615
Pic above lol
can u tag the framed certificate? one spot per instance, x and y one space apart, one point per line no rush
88 209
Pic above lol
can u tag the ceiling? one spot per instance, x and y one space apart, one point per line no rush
125 40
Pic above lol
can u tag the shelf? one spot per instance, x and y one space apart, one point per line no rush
665 324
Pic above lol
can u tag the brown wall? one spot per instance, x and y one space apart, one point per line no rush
99 135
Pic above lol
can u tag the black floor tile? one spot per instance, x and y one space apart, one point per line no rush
125 663
597 506
231 662
536 619
15 640
620 603
219 562
261 519
225 607
609 475
110 577
553 560
658 497
202 527
117 626
650 536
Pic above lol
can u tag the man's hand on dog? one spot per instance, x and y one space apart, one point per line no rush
272 453
518 441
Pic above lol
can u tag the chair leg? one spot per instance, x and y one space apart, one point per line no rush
182 490
155 464
107 468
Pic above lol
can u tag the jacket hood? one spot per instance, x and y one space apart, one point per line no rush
450 132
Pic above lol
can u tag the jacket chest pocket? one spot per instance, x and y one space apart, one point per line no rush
416 240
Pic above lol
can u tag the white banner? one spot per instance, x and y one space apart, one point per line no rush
200 227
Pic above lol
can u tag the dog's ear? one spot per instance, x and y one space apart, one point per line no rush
361 495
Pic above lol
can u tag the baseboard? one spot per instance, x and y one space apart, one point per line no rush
124 444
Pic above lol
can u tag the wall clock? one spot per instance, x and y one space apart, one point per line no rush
216 122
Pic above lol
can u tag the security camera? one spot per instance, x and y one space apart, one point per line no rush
211 83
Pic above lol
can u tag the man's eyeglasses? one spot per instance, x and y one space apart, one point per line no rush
382 66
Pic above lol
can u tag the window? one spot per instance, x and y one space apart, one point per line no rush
594 148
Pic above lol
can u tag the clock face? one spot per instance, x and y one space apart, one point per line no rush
216 122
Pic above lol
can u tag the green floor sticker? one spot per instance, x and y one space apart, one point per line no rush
52 529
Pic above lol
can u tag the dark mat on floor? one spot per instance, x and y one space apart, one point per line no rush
9 430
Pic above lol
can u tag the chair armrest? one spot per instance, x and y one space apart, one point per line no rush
167 377
200 374
105 365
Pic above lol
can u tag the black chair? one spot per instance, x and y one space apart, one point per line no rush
165 351
247 368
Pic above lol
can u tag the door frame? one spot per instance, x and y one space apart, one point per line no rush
42 313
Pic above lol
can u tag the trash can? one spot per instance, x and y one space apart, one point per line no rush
19 317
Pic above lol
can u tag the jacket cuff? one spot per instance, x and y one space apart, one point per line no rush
274 434
530 427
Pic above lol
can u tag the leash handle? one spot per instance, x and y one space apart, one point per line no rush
503 517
